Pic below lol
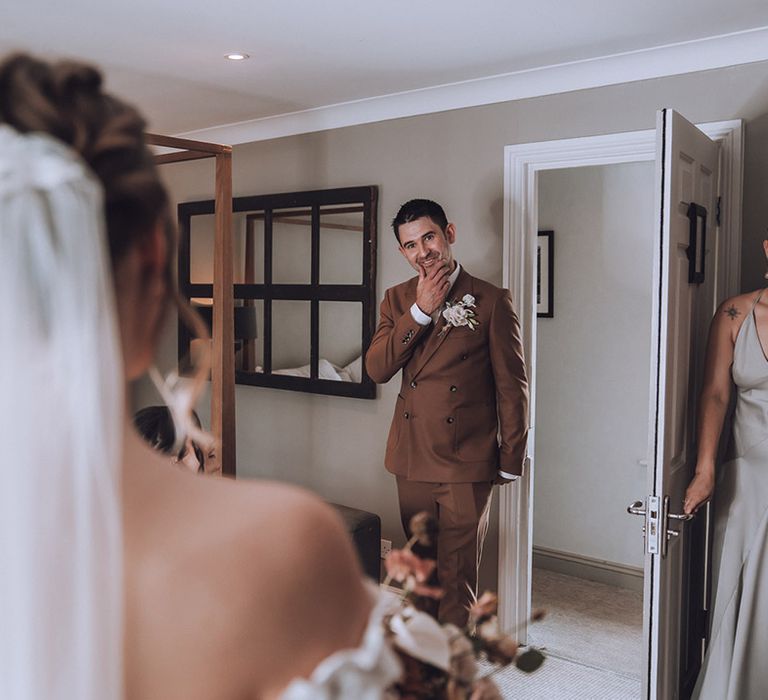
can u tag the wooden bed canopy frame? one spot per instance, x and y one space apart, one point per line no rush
223 330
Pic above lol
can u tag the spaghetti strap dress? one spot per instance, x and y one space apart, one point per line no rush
736 663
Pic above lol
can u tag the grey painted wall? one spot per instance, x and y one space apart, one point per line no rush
335 446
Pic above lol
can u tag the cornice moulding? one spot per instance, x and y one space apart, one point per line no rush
675 59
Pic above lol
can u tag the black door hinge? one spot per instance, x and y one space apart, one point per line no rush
717 210
703 626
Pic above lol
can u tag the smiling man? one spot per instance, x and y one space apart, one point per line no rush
461 417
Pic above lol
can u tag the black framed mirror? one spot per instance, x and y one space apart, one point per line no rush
304 270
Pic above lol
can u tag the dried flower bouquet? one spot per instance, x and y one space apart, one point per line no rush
441 661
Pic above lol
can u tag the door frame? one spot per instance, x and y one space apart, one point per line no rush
522 163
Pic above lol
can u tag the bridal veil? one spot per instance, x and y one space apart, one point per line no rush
61 420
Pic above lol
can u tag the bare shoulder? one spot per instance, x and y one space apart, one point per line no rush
287 517
281 529
731 314
738 306
310 600
265 497
264 571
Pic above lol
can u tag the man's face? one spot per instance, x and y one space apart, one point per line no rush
424 244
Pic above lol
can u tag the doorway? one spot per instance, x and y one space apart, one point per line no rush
592 397
524 166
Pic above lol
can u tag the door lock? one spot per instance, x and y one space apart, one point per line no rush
657 522
650 511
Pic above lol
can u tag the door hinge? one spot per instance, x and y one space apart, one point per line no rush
702 629
717 210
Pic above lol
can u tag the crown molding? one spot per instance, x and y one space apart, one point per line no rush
734 49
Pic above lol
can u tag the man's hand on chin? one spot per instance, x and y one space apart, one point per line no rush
432 287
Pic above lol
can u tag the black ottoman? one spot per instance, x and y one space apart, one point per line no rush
365 530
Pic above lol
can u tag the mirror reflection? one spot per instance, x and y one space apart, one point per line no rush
291 246
247 312
341 245
304 282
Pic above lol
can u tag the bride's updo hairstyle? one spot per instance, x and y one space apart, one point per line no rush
66 100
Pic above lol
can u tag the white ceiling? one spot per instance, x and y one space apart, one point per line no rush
328 63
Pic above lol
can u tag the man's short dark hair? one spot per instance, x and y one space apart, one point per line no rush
416 209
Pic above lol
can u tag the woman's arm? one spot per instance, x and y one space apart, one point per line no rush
715 395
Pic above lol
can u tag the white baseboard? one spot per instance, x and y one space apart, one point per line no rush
589 568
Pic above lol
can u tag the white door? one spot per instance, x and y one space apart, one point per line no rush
686 203
686 162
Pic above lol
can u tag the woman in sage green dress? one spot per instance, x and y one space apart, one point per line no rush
736 664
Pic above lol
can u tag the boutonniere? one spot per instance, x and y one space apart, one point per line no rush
460 313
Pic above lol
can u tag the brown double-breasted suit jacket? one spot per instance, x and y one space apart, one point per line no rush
462 410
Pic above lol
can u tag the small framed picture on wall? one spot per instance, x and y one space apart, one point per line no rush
545 274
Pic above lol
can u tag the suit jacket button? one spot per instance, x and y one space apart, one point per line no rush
449 420
464 356
413 385
454 387
406 415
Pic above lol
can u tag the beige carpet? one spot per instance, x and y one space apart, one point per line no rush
588 622
560 679
592 636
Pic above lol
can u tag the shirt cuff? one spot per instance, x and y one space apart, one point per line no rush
507 475
419 316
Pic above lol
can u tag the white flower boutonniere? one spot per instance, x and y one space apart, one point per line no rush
460 313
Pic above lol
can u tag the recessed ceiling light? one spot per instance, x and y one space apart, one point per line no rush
237 56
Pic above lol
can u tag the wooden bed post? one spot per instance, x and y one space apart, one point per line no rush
223 332
223 365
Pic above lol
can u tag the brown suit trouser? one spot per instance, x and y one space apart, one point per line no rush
457 509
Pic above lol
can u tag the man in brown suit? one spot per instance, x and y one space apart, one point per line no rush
461 417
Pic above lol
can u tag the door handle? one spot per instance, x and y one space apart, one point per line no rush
682 517
657 523
637 508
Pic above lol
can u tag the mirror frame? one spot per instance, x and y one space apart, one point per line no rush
314 292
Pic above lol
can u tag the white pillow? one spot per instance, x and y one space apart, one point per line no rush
355 370
325 370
